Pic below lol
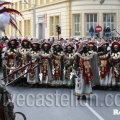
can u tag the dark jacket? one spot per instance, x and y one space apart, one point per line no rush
91 29
107 29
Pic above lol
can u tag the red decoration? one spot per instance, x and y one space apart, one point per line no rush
44 68
115 43
30 70
14 71
25 40
57 68
86 75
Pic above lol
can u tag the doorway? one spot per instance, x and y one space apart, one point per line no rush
40 32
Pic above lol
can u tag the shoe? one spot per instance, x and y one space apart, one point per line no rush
84 97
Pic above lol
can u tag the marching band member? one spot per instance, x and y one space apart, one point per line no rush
57 64
45 75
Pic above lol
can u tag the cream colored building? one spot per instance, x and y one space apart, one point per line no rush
74 16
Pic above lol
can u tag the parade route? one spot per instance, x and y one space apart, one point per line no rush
86 110
94 112
93 108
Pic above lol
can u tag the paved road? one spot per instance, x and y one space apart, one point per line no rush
68 109
61 104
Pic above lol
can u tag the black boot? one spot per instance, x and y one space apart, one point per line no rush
84 97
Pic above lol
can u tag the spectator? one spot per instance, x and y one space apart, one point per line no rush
91 31
5 38
108 31
104 31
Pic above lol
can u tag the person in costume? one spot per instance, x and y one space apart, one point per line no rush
114 78
33 68
94 64
69 64
57 64
77 45
104 64
45 74
11 60
83 80
24 57
6 19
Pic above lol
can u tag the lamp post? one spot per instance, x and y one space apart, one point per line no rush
34 13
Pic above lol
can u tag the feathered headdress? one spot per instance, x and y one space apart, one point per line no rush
6 17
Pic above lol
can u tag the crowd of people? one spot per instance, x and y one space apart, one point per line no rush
83 63
106 32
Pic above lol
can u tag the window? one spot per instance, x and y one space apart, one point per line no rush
27 27
12 31
13 6
7 30
25 6
20 5
77 24
45 1
56 23
48 1
41 2
36 2
91 20
16 6
54 20
31 2
108 20
51 26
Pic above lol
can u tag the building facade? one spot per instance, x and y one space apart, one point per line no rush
74 16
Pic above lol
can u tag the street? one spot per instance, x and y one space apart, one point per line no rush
66 110
62 104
